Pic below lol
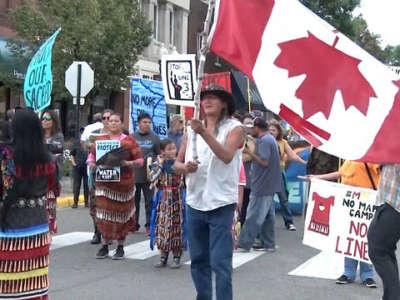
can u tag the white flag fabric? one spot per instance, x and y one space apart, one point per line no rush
331 91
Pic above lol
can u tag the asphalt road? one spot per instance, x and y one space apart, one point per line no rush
76 274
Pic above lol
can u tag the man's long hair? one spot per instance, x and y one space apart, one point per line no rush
28 144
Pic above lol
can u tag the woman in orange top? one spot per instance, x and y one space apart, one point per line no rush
362 175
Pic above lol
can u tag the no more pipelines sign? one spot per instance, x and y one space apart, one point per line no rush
338 218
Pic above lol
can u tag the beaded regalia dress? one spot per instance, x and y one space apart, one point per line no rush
24 229
115 205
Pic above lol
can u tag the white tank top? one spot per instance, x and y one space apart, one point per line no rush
214 184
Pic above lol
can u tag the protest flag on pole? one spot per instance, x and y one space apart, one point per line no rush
331 91
39 79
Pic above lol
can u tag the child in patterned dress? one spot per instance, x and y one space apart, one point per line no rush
167 229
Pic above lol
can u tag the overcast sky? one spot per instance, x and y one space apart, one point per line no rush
383 17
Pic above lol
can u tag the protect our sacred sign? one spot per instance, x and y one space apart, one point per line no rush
39 79
107 173
338 218
178 74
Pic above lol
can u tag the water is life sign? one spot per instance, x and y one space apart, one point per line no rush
39 79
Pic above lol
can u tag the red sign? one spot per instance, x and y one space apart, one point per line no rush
223 79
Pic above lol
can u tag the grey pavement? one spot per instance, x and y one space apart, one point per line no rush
66 186
76 274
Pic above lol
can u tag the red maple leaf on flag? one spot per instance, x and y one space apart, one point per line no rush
380 148
327 70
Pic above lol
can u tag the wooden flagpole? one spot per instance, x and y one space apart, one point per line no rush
200 71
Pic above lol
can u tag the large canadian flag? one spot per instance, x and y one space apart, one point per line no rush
331 91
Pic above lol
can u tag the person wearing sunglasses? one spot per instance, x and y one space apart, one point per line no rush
96 129
115 205
54 140
99 125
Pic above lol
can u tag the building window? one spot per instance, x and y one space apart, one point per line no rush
171 27
155 22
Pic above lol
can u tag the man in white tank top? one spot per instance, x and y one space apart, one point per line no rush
212 191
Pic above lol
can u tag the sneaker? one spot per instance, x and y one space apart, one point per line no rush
369 282
291 227
258 247
74 205
96 239
119 253
272 249
103 252
262 248
176 263
162 263
257 244
242 250
343 280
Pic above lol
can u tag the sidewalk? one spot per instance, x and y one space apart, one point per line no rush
66 198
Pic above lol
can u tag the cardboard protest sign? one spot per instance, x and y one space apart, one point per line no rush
148 96
39 79
222 78
178 74
107 173
338 218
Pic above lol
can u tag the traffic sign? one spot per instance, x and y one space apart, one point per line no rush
86 82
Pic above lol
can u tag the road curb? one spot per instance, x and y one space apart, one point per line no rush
67 201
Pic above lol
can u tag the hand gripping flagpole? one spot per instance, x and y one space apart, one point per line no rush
200 71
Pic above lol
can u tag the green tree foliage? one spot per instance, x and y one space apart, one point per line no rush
108 34
392 54
339 13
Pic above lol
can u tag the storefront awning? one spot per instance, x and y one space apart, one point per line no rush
241 91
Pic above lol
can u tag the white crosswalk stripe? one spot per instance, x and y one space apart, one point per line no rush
69 239
326 265
140 250
240 258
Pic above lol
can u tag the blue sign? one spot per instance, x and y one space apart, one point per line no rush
105 146
148 96
39 79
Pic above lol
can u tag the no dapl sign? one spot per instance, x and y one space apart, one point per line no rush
86 82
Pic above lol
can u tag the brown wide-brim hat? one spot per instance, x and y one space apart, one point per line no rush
223 94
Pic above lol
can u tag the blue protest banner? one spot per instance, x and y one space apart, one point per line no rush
39 79
148 96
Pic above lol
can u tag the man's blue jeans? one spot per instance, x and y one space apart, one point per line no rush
350 269
211 249
284 202
285 208
260 219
